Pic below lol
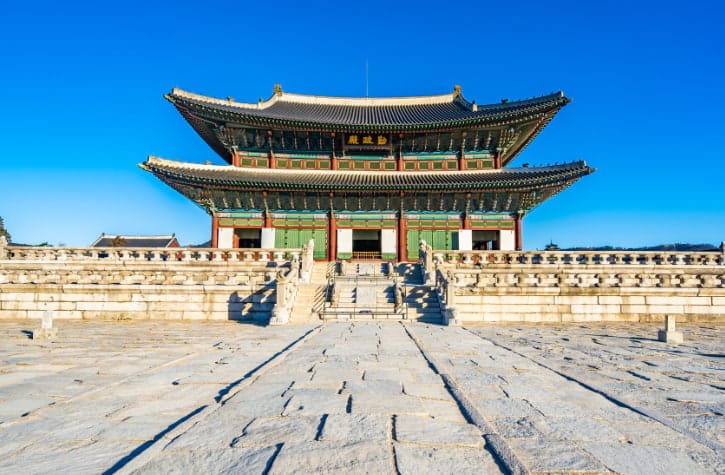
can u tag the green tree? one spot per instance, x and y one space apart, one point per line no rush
3 231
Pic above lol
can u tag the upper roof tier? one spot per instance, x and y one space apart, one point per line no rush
446 122
416 112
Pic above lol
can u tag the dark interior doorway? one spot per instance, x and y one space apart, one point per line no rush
485 240
366 244
248 238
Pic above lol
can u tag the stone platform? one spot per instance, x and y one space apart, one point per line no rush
361 397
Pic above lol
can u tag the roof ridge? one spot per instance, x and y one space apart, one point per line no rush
454 97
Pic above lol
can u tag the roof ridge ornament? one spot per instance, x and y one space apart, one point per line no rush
457 92
277 91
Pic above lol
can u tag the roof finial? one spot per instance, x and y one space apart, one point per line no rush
457 90
277 89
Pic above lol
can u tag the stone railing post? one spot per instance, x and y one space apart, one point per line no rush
287 287
3 248
308 259
425 258
722 253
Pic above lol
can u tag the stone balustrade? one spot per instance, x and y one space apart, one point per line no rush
143 283
576 258
142 254
560 286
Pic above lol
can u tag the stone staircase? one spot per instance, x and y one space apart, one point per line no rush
422 300
363 291
311 297
423 304
256 307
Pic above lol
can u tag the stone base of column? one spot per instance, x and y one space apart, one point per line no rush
451 318
44 333
280 316
671 337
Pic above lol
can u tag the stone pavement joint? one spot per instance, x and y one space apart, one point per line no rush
506 458
360 397
148 450
619 400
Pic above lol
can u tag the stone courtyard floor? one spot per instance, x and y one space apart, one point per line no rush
362 397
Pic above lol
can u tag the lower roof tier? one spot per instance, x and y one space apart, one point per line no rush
217 188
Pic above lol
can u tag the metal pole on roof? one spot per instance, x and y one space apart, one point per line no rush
366 78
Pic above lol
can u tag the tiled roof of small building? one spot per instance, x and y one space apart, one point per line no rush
396 112
120 240
275 179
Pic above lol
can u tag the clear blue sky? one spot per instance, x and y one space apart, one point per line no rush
81 90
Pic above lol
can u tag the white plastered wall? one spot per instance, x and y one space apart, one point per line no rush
465 240
387 241
225 238
344 241
268 236
507 240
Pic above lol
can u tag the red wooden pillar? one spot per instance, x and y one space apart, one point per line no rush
402 239
519 241
267 214
333 156
235 159
466 217
214 231
272 159
400 153
332 239
497 160
402 233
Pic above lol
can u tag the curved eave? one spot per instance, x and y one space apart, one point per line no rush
225 177
516 113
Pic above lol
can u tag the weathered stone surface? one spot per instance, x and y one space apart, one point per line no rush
356 427
139 396
547 456
333 457
415 460
248 460
637 460
428 431
268 431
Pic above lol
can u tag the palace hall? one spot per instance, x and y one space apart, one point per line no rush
366 178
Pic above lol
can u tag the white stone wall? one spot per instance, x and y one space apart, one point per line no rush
387 241
344 241
127 290
268 236
465 240
588 293
507 240
226 238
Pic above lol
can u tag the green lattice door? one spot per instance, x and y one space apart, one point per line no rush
439 239
288 238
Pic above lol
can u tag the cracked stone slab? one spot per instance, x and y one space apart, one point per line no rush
268 431
429 431
356 427
333 457
247 460
312 404
415 460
